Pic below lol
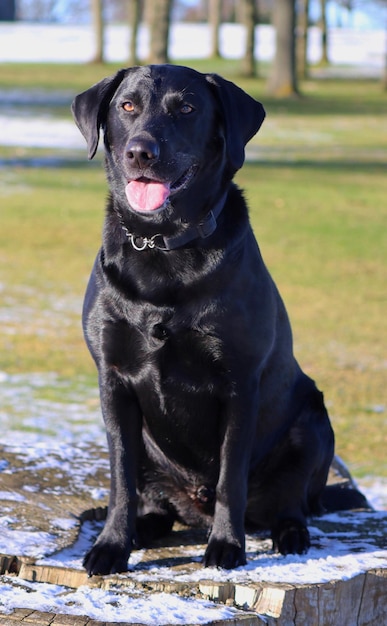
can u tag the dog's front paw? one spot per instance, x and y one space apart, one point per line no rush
106 558
223 554
291 537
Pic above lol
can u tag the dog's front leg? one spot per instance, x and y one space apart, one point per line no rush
226 544
123 422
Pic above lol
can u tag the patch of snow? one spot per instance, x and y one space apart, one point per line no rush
24 542
14 497
64 523
375 490
71 43
334 555
73 555
107 606
40 132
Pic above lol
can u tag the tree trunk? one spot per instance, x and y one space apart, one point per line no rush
134 15
324 34
282 82
250 21
214 19
302 38
7 11
159 13
98 28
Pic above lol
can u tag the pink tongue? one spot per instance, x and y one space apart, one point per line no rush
146 196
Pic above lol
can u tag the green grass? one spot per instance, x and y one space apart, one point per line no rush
63 76
317 186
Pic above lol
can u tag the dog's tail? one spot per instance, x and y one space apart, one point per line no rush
342 493
343 498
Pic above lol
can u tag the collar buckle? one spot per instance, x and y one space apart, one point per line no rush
207 226
141 243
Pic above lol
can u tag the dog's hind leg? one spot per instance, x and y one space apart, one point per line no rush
288 485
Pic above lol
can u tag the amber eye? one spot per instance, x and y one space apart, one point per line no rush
128 106
186 109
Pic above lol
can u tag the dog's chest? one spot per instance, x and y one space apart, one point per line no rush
158 353
177 374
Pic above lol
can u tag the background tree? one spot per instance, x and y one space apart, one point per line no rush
98 29
302 38
159 18
282 81
324 32
214 20
249 17
134 16
7 10
382 4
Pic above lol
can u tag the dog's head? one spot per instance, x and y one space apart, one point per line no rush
168 130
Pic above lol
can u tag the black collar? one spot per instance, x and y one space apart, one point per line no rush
204 229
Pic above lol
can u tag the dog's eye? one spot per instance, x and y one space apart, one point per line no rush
128 106
186 109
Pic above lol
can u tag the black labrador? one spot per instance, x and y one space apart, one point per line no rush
209 418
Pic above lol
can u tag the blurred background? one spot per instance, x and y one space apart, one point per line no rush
292 33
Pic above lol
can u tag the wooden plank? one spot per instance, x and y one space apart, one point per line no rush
277 602
359 601
55 575
373 610
217 592
16 617
39 618
9 620
339 602
70 620
242 620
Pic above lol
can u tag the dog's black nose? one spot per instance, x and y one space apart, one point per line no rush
142 152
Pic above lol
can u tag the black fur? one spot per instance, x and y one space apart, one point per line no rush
209 418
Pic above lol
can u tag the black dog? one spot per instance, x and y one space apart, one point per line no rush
209 418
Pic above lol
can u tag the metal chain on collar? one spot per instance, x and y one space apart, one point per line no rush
146 242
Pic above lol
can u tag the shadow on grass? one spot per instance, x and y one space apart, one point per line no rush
373 167
353 104
49 161
56 162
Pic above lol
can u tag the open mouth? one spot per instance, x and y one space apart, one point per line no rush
145 195
184 180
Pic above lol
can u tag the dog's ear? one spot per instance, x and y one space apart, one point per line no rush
243 117
90 109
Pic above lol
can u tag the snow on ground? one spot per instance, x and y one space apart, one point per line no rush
337 554
40 132
107 606
56 43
